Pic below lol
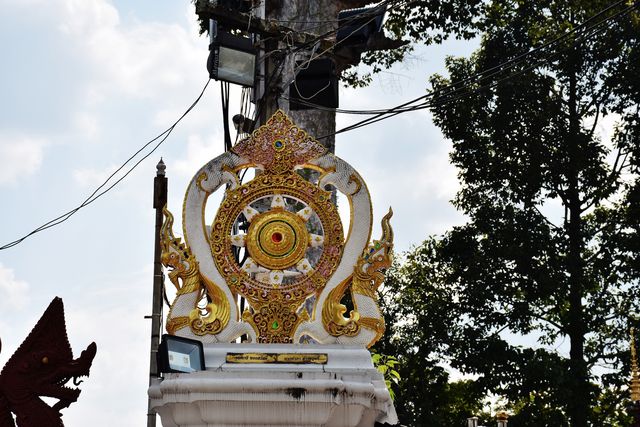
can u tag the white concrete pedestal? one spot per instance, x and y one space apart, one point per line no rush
347 391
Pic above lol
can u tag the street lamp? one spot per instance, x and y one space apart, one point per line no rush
178 354
231 58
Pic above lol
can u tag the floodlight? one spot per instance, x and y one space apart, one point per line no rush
472 422
232 59
178 354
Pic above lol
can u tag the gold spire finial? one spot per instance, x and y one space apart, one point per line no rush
635 376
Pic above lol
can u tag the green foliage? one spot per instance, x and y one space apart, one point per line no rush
424 396
419 22
550 249
386 365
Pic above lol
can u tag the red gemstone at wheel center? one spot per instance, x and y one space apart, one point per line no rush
276 237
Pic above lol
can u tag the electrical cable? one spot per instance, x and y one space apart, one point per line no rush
262 101
461 85
346 22
483 74
306 63
224 97
291 49
374 15
96 194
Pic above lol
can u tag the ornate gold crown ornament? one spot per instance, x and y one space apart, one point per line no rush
297 266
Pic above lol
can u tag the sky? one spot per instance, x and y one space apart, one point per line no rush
83 85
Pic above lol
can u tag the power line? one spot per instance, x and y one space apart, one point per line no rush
291 49
372 11
444 94
482 74
96 194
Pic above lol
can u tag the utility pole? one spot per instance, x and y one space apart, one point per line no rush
312 17
291 32
159 202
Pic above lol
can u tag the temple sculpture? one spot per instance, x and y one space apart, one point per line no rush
278 243
41 367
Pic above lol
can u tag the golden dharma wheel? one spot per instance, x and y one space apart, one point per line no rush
293 239
277 239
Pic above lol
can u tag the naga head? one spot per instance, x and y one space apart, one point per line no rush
175 255
379 255
42 366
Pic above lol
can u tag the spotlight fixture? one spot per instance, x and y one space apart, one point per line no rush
231 58
178 354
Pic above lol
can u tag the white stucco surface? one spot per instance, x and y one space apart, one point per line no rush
347 391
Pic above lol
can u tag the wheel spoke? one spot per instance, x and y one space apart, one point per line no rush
305 213
304 266
275 277
316 240
238 240
277 201
249 213
250 266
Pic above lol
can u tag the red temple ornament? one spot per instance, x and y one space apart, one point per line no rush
41 367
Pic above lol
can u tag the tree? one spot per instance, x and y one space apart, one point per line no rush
551 247
425 394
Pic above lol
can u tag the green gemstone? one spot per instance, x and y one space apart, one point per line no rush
275 324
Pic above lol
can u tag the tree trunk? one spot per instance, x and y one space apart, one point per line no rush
579 407
317 17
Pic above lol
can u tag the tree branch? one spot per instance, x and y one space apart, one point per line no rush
613 176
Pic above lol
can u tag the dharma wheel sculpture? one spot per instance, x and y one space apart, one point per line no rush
298 265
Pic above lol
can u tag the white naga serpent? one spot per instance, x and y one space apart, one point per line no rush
276 283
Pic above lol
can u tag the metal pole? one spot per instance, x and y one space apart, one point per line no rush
159 202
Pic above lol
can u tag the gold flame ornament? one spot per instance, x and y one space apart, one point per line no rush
278 241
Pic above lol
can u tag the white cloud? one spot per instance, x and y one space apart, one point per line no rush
19 156
14 293
87 124
83 17
139 59
143 59
89 177
199 152
435 177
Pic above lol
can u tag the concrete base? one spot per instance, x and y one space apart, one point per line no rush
347 391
